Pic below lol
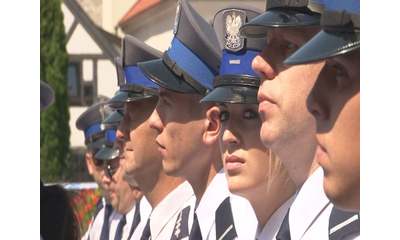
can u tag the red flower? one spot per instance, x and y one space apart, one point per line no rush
85 203
80 216
88 191
95 199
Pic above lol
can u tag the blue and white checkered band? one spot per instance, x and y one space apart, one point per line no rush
135 76
192 64
238 62
94 128
234 19
177 17
111 135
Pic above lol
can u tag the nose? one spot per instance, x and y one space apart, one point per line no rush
230 136
106 179
315 105
118 143
262 66
123 130
155 120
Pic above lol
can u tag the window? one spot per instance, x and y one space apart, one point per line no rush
74 84
81 92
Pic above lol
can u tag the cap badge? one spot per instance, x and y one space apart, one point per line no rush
234 41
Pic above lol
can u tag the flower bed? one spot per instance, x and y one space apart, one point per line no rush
84 203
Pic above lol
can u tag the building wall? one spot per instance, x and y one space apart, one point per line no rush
154 27
95 68
112 12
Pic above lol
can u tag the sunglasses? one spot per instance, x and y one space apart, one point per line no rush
97 162
110 172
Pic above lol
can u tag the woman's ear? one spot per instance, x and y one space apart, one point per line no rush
213 126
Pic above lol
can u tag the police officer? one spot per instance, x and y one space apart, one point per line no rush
246 160
337 106
187 133
142 162
90 122
128 197
288 129
124 197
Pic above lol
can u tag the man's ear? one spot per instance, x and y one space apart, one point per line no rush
89 163
213 126
137 193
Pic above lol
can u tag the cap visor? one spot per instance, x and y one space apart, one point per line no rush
115 117
278 18
107 153
116 105
324 45
232 94
161 75
124 97
98 144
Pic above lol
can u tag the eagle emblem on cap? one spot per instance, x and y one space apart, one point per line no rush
232 35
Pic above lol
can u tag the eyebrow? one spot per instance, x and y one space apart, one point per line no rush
221 104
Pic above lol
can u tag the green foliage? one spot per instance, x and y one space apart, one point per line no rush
56 163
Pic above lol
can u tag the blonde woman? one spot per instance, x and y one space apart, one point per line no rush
252 170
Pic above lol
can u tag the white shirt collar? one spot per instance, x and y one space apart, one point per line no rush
145 210
166 209
215 193
274 223
129 219
310 201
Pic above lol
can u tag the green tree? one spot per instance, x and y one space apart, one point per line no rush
56 163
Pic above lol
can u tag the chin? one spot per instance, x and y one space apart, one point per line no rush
344 200
114 203
169 169
265 135
236 186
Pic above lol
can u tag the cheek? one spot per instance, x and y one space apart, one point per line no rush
304 76
344 155
221 138
250 133
347 124
178 132
347 129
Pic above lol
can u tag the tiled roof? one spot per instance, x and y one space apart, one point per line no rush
138 7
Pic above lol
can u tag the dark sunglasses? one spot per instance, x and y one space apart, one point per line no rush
110 172
97 162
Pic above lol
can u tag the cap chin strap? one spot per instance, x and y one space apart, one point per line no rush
239 80
109 144
340 19
140 90
93 137
178 71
